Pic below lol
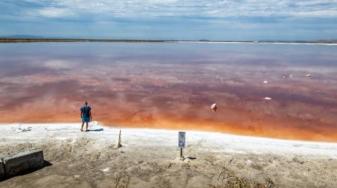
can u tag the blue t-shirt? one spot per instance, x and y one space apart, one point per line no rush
85 110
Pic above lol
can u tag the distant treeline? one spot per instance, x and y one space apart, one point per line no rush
13 40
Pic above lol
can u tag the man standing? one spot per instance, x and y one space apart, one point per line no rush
85 115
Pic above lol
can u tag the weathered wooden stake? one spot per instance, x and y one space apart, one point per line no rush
119 144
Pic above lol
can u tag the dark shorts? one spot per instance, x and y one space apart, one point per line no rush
86 119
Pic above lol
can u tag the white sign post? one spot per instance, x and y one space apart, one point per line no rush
181 143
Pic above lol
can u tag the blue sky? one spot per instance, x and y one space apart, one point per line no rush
171 19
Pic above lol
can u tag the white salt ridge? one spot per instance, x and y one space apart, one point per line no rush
133 137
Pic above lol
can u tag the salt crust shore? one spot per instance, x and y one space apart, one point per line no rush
149 158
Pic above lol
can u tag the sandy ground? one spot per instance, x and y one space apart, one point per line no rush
149 158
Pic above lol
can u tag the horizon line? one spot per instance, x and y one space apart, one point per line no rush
10 39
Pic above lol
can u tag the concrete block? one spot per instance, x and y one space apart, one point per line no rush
2 170
23 162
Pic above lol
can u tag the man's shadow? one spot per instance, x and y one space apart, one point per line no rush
95 130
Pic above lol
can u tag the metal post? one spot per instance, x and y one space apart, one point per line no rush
181 143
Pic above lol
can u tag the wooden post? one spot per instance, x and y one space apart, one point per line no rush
181 154
119 144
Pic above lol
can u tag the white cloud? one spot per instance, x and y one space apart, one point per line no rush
203 8
53 12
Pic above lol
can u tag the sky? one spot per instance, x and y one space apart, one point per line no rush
171 19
